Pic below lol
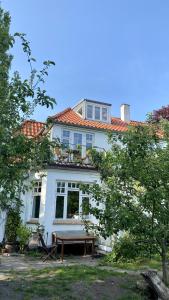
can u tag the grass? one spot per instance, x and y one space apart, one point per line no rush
75 282
139 264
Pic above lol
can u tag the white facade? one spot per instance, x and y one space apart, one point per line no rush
49 202
47 213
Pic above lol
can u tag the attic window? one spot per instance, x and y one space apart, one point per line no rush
89 111
80 111
97 113
104 114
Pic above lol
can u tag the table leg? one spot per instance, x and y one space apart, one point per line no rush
93 247
85 248
62 251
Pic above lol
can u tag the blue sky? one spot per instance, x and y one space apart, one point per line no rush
113 51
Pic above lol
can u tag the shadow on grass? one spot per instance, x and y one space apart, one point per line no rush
76 282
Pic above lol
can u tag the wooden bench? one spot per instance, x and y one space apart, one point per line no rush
73 237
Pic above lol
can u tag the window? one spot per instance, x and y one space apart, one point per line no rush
36 199
60 187
85 206
66 138
71 202
104 114
59 207
89 111
97 113
73 185
80 111
89 141
77 140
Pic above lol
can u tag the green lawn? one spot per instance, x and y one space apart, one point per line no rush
139 264
76 282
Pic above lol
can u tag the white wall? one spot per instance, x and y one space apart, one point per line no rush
62 175
2 224
100 137
48 198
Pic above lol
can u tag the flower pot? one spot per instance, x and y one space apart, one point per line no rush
10 247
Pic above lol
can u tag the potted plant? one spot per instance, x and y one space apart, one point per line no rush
78 152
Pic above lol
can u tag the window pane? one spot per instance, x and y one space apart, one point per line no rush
80 111
37 187
89 111
89 141
77 139
66 134
36 207
59 206
104 114
97 113
66 138
89 137
72 204
85 206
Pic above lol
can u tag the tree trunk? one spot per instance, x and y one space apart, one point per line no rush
164 264
156 284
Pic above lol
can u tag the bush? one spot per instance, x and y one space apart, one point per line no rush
23 234
12 223
127 248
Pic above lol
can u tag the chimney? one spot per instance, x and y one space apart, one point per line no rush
125 112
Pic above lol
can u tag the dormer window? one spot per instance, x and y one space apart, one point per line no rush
80 111
104 114
89 111
97 113
94 110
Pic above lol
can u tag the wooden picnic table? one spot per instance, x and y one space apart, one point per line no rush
73 237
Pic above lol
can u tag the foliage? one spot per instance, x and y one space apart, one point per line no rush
134 265
23 235
157 115
18 100
127 249
135 187
12 223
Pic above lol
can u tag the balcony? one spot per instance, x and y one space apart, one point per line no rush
76 154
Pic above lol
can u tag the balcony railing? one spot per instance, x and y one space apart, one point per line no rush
74 154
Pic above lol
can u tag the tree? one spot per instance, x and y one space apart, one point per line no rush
157 115
18 99
134 195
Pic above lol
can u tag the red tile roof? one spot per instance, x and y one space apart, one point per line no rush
32 128
70 117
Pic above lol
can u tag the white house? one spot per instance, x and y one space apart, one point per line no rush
56 200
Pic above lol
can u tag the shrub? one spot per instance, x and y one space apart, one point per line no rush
23 234
127 248
12 222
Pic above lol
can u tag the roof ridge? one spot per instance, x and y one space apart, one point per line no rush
33 121
60 113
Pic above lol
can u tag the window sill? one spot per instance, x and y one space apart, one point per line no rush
68 221
33 221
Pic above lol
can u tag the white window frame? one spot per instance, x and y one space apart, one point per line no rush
91 105
35 193
92 142
97 107
75 145
103 107
63 138
65 194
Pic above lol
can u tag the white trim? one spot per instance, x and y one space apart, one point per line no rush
65 195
